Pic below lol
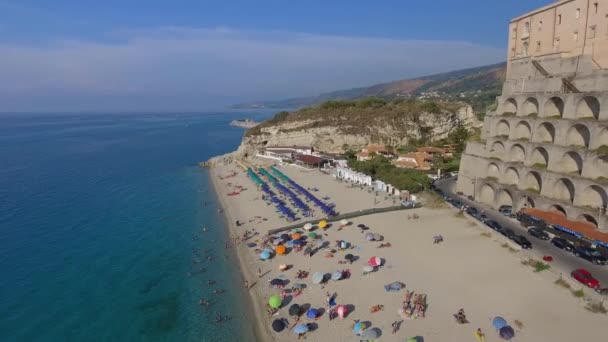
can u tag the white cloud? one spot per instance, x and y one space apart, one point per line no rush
189 67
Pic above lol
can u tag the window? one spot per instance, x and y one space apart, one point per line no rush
538 46
578 13
525 49
556 44
526 27
575 36
559 19
591 32
512 52
540 25
595 7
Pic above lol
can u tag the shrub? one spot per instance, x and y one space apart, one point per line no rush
578 293
596 307
562 283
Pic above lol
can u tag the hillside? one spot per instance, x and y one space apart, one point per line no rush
477 87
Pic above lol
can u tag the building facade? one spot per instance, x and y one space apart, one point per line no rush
546 145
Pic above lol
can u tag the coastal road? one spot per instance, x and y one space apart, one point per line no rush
564 262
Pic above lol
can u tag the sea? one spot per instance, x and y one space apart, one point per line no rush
101 229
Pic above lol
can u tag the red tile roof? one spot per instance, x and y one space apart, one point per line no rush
558 219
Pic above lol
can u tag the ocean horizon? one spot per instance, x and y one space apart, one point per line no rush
102 237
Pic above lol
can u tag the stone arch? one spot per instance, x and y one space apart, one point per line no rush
503 128
563 190
530 107
527 202
498 149
486 194
493 170
571 163
602 139
554 107
587 218
504 198
533 182
588 107
523 131
558 209
511 176
593 196
578 135
540 157
517 153
509 106
545 133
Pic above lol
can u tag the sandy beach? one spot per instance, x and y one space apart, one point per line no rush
469 270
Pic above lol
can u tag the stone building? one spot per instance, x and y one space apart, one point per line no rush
546 144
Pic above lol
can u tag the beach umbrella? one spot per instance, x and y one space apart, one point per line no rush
344 244
312 313
349 257
506 332
251 244
368 269
296 236
344 222
319 243
294 310
359 327
322 224
370 334
369 236
265 255
336 275
499 322
281 249
284 237
278 325
312 235
361 225
412 339
289 243
277 242
318 278
342 311
276 282
275 301
299 286
308 250
297 242
375 261
377 237
300 329
308 226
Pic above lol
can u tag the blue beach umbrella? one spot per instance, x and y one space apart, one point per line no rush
289 243
312 313
359 327
300 329
298 242
499 322
336 275
318 278
506 332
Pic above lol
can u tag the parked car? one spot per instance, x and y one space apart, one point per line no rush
494 225
538 233
522 241
506 210
508 232
603 292
591 255
481 217
562 243
472 211
583 276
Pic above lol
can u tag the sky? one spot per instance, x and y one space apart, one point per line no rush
194 55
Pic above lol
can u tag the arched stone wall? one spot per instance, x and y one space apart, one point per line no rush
498 149
533 182
509 106
511 176
517 153
539 157
602 139
593 196
571 163
564 190
558 209
503 128
527 202
587 218
530 107
578 135
554 107
545 133
487 194
493 170
588 107
504 198
522 131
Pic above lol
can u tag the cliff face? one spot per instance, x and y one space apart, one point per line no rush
355 128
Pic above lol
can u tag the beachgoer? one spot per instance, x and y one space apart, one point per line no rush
395 326
246 284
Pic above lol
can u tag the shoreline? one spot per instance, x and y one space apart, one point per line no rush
260 331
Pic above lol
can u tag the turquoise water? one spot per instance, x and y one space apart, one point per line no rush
100 229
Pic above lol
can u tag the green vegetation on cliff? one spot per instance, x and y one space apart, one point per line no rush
380 168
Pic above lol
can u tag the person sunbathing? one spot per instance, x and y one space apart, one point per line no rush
376 308
383 245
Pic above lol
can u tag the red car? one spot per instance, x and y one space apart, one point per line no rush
585 277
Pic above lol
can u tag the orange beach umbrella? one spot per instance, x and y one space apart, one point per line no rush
281 249
296 236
